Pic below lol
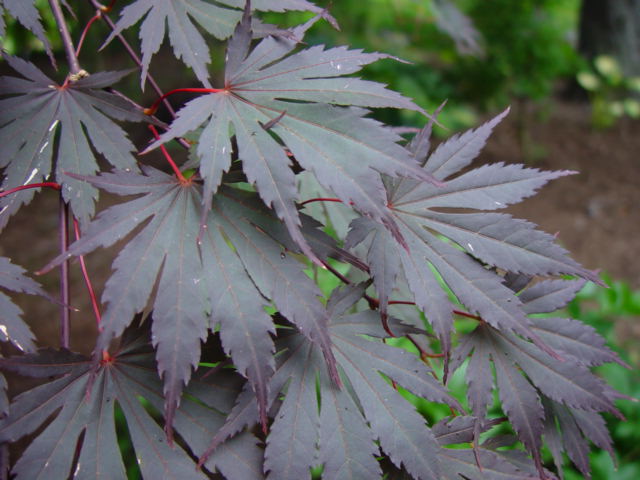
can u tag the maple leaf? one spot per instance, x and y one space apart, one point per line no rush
82 112
566 382
495 239
296 94
187 42
81 402
222 281
465 462
12 328
342 434
570 430
26 12
450 20
336 215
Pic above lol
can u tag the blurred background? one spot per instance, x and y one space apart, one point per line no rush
569 69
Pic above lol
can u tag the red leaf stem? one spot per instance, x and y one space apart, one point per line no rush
457 312
468 315
175 168
320 199
151 110
87 280
86 29
53 185
373 302
424 355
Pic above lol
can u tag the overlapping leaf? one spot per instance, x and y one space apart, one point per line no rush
424 215
463 463
27 14
82 113
570 430
163 253
295 95
340 433
226 288
218 18
83 421
565 382
12 328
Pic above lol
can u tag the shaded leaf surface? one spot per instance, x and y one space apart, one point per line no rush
425 213
121 382
241 264
533 385
348 423
12 327
322 136
175 18
26 12
41 118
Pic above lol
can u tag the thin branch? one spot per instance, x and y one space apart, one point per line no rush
67 42
134 56
65 296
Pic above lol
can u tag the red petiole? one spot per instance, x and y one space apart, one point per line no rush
53 185
98 15
86 29
152 109
320 199
181 178
87 280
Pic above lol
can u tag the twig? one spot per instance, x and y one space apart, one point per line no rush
67 42
134 56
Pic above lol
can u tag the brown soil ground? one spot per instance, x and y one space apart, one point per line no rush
594 212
